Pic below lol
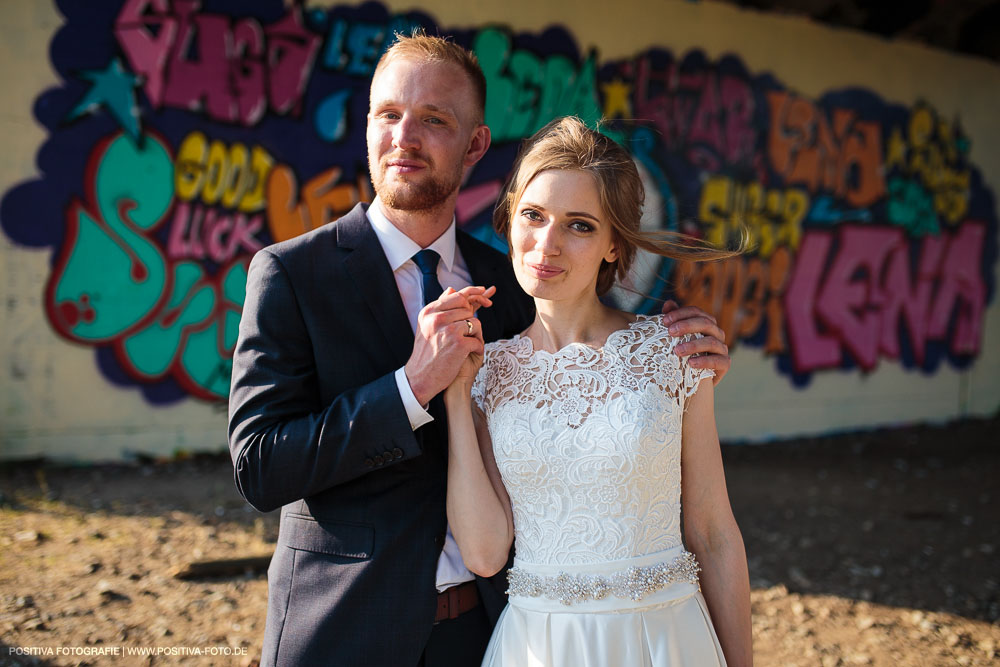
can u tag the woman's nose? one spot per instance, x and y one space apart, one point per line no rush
547 239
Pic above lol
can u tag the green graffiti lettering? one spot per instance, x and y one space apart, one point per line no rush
234 292
152 350
112 282
203 364
524 91
206 360
111 276
911 207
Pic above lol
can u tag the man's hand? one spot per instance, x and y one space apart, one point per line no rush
443 340
711 348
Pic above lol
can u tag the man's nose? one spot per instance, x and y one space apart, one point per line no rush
405 136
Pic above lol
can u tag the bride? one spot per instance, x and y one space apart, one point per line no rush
585 440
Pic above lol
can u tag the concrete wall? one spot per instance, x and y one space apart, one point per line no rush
865 169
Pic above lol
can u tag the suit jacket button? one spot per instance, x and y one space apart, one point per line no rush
397 453
369 463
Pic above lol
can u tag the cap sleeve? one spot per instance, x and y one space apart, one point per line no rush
479 386
691 377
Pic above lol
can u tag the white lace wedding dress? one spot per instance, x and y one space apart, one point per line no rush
588 443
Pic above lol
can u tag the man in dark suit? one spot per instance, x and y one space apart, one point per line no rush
334 415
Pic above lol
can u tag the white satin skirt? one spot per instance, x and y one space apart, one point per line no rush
670 627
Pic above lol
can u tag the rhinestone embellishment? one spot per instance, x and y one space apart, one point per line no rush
634 583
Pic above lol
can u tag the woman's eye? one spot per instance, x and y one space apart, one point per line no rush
531 214
581 226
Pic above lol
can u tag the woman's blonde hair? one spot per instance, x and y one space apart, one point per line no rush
568 144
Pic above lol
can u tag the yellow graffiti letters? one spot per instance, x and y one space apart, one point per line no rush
934 158
233 177
773 217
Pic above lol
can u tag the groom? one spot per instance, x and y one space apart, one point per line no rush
334 415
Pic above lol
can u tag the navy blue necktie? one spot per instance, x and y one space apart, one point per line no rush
427 261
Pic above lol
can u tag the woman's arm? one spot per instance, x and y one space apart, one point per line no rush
479 511
710 530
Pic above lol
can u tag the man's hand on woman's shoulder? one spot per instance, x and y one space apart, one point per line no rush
711 349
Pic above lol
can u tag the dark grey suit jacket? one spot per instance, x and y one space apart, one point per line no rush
317 427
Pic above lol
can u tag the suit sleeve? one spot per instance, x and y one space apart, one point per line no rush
285 445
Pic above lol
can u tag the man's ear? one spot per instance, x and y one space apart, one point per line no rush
478 145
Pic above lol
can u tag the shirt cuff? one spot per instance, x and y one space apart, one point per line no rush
414 411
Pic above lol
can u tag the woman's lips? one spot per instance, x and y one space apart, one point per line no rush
543 270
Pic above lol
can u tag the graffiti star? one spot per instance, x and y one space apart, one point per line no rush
114 89
616 102
895 150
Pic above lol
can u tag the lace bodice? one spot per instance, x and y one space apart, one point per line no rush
588 442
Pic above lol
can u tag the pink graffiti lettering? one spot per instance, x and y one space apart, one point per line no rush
198 232
962 294
857 304
708 114
475 199
240 70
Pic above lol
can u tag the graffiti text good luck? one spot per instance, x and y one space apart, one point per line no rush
232 176
199 232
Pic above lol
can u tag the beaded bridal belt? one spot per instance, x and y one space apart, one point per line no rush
632 583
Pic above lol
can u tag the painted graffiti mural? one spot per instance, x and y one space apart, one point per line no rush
188 134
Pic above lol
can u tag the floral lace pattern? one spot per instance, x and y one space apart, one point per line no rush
588 442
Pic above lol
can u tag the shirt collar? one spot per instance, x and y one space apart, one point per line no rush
399 248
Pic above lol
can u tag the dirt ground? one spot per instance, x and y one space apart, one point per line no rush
869 549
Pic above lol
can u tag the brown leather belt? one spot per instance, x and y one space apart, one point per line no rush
456 601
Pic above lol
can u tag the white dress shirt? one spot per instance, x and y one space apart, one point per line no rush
452 272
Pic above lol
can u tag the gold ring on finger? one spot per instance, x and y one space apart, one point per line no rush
468 323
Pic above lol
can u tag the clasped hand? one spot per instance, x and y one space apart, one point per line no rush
448 342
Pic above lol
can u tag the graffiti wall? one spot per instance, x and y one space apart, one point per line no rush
181 136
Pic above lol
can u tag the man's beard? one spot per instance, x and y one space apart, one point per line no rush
405 196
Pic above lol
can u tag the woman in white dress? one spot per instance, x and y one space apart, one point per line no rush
582 439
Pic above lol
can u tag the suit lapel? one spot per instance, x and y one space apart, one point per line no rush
484 267
373 279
